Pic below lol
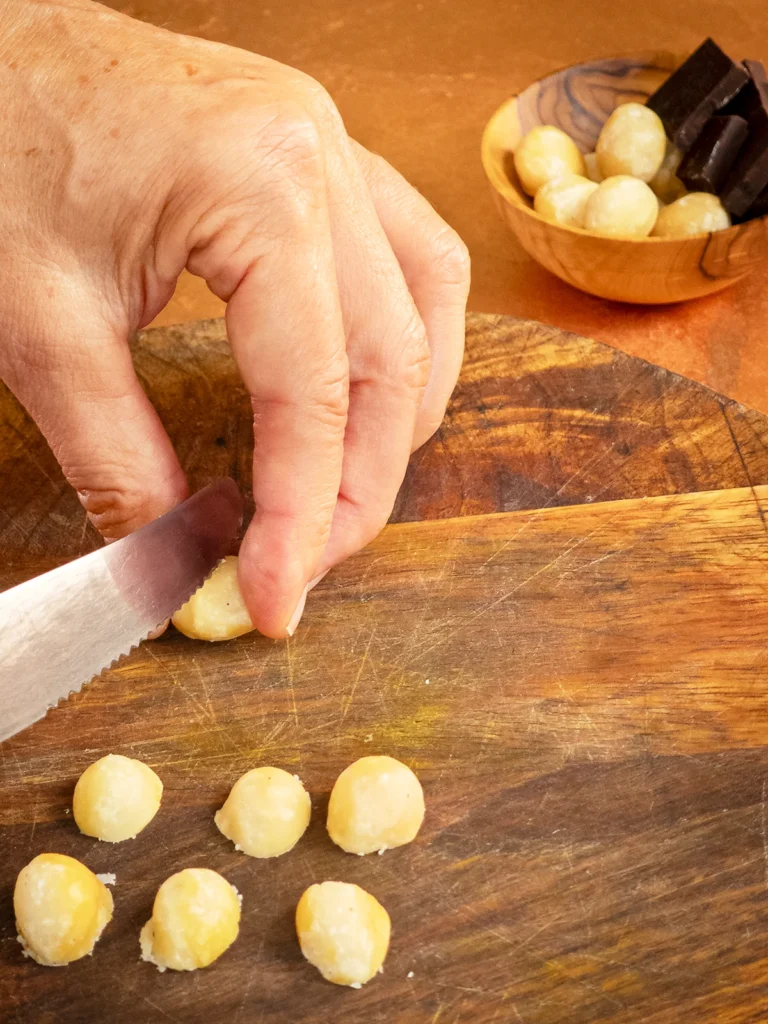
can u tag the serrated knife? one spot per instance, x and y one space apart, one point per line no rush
60 630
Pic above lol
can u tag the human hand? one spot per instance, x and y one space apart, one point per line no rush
130 153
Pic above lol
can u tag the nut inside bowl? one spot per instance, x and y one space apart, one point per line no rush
578 100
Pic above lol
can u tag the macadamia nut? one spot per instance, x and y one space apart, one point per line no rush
593 171
693 214
562 200
621 207
376 804
546 153
217 610
195 918
115 798
343 931
666 186
673 157
632 142
266 812
665 183
61 909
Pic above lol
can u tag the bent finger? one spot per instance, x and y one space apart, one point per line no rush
78 383
436 266
285 328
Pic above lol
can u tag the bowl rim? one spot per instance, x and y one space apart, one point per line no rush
502 185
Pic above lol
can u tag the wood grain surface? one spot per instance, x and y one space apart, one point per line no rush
540 417
582 692
581 689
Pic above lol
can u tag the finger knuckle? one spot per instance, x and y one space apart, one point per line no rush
293 140
450 257
324 396
318 100
267 173
401 362
117 509
292 173
331 398
114 511
415 357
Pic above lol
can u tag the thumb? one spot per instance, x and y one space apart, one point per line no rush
73 373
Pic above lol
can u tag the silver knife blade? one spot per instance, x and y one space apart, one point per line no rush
59 630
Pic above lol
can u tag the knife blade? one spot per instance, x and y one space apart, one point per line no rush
60 630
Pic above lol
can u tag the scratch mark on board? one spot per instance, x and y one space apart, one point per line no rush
37 804
481 612
542 569
534 518
83 533
351 697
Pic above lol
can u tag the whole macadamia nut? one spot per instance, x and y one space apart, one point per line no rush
631 142
376 804
343 931
563 200
693 214
195 918
621 207
61 909
266 812
543 154
217 610
115 798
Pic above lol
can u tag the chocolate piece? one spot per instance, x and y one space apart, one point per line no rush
690 96
754 94
758 209
749 175
706 164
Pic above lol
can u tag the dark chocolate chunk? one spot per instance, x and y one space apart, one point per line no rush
749 175
758 209
754 94
706 164
690 96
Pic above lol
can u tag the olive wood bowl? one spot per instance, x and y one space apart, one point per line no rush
579 100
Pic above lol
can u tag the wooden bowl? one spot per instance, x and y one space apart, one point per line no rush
579 99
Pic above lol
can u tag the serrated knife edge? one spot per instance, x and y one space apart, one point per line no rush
60 630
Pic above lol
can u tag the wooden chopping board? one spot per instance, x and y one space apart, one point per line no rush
582 691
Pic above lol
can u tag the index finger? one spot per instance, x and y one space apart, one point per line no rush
285 328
